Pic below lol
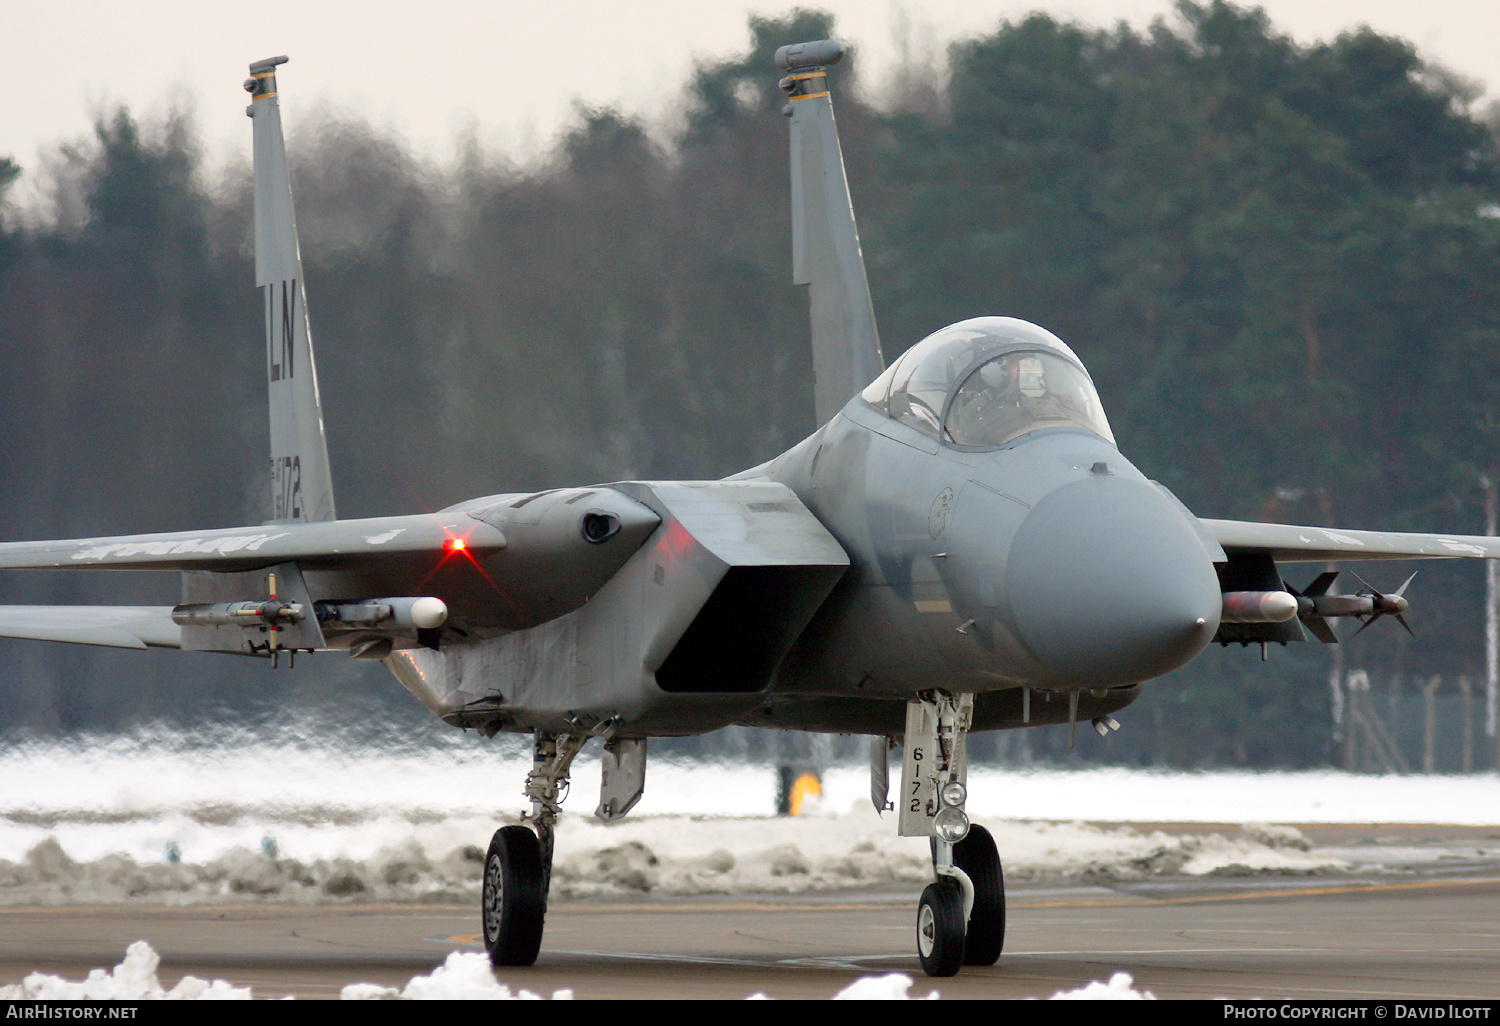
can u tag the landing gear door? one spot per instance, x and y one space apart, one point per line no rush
918 801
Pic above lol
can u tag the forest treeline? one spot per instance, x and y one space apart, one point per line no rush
1280 262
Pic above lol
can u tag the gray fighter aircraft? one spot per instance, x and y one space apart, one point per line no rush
959 547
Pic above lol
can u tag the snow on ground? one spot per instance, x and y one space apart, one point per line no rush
154 820
134 979
463 976
890 987
1121 987
661 855
160 820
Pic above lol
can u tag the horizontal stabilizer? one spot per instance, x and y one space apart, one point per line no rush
111 626
1291 544
331 543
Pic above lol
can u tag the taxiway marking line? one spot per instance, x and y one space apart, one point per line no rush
805 962
420 912
1290 892
852 963
801 962
1217 988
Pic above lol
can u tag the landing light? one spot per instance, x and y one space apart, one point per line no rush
951 824
954 793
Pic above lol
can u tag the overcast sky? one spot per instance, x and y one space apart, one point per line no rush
510 73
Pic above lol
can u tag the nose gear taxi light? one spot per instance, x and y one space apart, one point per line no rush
951 824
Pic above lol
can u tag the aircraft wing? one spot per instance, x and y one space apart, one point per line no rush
499 563
328 544
1287 543
365 545
111 626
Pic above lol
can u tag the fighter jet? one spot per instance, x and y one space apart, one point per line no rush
959 547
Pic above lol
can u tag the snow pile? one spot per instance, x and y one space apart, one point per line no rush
47 875
465 976
132 980
678 856
302 818
1119 988
1048 851
322 800
891 987
1274 836
661 855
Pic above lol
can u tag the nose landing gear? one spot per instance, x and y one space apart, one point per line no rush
961 915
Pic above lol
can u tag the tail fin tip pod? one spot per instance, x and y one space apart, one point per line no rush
826 253
301 484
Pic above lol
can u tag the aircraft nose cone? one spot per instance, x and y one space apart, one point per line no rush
1109 584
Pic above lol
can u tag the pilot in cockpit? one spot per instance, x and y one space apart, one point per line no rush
1009 396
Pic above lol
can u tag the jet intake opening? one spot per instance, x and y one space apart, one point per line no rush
744 629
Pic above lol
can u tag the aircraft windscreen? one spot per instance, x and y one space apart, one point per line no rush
919 387
915 389
1020 392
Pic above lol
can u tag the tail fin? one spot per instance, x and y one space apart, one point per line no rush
825 241
301 486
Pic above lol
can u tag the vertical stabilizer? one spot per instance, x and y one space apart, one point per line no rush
825 241
301 487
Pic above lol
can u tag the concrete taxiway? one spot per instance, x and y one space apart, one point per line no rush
1425 925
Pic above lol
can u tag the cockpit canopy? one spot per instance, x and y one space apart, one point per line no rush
984 382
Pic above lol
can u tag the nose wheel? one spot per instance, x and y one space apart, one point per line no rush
940 928
985 938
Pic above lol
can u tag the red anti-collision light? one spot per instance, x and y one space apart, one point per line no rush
455 545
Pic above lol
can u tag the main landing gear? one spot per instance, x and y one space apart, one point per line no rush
518 866
961 915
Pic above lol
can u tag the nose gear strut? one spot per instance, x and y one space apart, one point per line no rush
961 915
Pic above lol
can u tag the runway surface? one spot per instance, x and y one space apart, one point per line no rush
1425 925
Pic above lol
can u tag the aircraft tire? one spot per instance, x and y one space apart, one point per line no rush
976 855
940 928
513 905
